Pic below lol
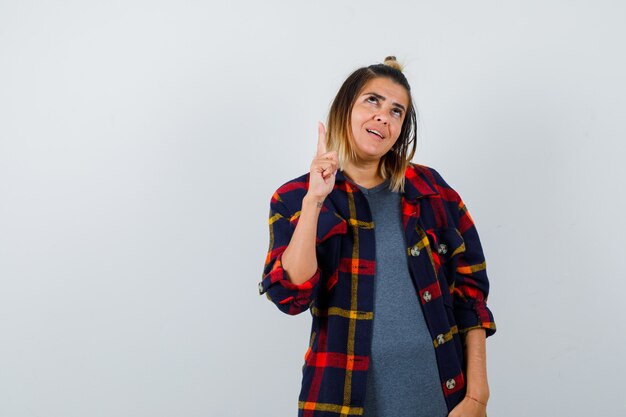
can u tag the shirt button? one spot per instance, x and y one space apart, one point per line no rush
426 296
260 287
415 251
450 383
442 249
441 340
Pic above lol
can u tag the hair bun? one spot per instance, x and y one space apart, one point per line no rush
393 63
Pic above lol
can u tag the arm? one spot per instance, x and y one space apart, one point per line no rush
473 318
475 402
291 274
476 360
292 291
299 259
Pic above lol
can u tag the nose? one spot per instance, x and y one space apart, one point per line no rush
381 119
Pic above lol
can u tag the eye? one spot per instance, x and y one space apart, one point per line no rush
397 112
372 99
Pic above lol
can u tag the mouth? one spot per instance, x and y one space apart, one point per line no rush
375 133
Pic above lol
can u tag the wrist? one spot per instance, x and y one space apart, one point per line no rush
477 400
313 201
478 396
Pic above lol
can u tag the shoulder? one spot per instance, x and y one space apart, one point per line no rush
294 184
290 193
433 178
427 171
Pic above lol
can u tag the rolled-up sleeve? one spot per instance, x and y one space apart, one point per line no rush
290 298
471 282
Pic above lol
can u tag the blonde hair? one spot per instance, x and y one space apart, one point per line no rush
339 133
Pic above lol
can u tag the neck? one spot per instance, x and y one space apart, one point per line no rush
364 174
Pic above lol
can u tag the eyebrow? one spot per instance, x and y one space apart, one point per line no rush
383 98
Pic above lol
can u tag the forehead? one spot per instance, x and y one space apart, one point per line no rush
392 91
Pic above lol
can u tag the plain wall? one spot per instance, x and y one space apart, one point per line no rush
140 143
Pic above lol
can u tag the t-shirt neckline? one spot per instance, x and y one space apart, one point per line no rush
376 188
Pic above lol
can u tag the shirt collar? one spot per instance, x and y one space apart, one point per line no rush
416 184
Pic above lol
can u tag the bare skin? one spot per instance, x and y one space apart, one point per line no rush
299 259
474 404
381 105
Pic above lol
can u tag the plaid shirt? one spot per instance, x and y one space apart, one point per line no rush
446 265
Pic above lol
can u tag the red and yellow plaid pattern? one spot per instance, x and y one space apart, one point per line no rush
446 264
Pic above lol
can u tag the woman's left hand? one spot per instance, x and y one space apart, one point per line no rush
468 408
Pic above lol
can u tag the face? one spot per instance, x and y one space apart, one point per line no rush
377 117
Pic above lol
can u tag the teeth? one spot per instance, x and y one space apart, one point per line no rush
375 132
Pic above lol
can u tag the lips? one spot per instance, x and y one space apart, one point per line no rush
375 132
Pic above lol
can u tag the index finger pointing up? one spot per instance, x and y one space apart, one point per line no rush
321 138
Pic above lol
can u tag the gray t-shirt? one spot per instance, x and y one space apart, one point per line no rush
403 380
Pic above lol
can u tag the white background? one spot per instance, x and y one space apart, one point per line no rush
140 142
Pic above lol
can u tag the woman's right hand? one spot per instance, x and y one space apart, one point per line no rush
323 168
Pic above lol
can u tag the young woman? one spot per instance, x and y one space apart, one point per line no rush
387 259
